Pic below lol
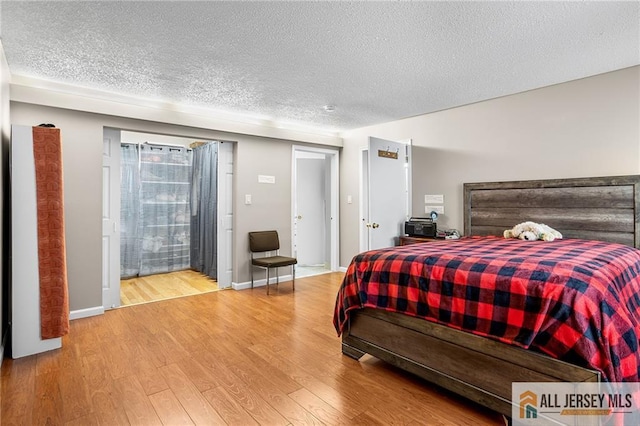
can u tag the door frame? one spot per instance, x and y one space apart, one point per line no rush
363 188
334 199
225 246
363 171
111 141
226 156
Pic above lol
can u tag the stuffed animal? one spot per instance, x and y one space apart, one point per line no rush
532 231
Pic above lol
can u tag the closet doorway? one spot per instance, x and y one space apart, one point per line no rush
166 216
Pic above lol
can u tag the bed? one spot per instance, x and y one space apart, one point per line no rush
377 314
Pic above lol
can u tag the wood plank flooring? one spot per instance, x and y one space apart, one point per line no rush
226 357
164 286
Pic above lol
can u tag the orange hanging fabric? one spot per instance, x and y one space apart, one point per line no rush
52 262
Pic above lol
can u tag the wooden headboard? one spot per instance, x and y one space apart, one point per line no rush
599 208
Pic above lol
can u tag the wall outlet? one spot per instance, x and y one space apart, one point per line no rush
437 209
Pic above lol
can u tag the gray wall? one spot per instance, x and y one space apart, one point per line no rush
588 127
270 206
5 130
82 155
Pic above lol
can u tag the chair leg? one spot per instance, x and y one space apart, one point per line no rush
251 270
267 281
277 278
293 271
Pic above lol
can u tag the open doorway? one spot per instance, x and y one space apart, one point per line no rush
153 235
315 210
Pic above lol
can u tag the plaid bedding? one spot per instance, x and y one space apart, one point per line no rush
575 300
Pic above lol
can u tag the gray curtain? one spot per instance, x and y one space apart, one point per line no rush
204 206
129 211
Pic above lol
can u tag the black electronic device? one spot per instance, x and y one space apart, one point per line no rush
420 227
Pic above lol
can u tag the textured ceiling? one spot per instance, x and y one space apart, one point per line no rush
375 61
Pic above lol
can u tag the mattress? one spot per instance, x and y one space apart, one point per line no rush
574 300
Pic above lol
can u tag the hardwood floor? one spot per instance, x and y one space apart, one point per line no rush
226 357
164 286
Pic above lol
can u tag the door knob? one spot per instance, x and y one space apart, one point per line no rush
299 217
375 225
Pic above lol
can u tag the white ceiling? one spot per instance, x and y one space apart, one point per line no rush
375 61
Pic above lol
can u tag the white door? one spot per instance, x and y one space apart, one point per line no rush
111 218
225 214
388 186
310 214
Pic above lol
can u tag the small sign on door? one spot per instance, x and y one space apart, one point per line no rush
387 154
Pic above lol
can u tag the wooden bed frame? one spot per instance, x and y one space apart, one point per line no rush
480 369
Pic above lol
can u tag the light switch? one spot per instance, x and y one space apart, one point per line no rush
437 209
266 179
434 199
349 199
247 198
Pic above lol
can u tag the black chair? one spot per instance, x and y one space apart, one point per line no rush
267 242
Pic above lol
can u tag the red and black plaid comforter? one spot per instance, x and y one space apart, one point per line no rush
575 300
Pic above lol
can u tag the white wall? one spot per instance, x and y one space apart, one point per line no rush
588 127
311 205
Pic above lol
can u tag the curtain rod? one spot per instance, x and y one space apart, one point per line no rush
165 144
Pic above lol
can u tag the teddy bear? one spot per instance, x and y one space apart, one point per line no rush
532 231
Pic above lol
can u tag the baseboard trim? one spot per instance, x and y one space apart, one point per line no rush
87 312
342 269
240 286
260 283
